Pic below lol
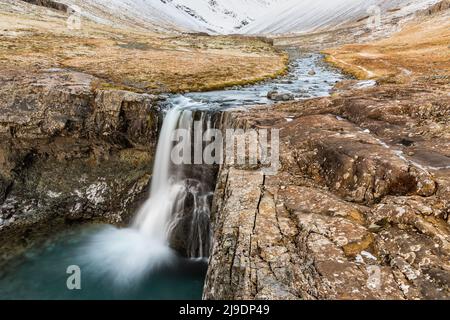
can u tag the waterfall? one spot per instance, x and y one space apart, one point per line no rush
175 216
178 209
153 218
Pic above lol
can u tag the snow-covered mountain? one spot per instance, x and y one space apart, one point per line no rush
238 16
213 16
313 15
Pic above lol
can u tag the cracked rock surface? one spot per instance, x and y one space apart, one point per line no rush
359 209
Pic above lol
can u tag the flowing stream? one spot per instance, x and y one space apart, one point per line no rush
143 261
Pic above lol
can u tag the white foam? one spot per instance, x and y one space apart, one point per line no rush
123 256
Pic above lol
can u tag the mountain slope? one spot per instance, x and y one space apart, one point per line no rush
35 39
213 16
313 15
240 16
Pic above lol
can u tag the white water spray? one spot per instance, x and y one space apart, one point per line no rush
126 255
176 195
153 218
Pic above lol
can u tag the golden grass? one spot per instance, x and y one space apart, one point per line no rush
181 69
420 49
133 59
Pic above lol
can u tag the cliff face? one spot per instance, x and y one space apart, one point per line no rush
359 210
69 152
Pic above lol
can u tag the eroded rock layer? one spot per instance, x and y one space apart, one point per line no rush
70 153
359 209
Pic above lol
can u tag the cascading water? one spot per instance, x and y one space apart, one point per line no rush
144 261
189 227
177 193
176 214
153 219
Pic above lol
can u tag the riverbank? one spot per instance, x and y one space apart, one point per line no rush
418 52
360 208
36 39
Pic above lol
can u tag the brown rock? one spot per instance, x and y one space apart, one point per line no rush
350 215
70 153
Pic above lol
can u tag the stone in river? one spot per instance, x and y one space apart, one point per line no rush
280 95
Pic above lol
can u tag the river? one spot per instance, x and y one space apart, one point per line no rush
138 262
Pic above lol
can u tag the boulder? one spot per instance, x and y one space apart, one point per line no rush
276 95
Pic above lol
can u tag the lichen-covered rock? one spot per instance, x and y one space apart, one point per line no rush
359 209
